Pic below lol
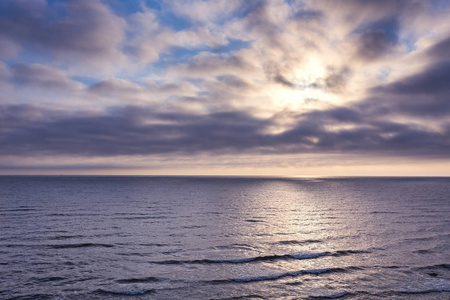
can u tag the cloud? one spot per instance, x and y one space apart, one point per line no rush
149 39
373 44
433 80
128 91
88 33
204 11
137 131
440 50
425 93
8 49
208 64
43 77
218 78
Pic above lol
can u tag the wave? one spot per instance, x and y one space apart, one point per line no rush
49 279
428 238
138 280
402 293
59 246
124 293
434 270
34 297
441 266
388 267
82 245
287 274
330 296
243 260
384 212
155 245
243 297
143 218
61 215
297 242
297 256
423 251
429 291
19 209
235 246
65 237
348 252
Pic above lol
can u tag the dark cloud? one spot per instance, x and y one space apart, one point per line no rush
42 76
140 91
373 44
4 72
388 25
336 81
382 138
124 131
425 94
266 28
28 130
373 24
440 50
234 82
432 81
207 64
85 31
307 14
282 80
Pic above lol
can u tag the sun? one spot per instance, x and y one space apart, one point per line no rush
304 87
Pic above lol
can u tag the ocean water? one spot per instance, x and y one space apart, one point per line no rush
68 237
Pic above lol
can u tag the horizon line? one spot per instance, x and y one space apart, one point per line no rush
227 176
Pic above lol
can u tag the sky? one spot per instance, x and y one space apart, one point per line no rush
242 87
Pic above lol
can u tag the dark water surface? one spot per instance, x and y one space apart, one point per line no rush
224 238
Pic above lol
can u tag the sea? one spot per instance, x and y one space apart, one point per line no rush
112 237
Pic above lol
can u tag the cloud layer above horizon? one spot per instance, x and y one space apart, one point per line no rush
87 84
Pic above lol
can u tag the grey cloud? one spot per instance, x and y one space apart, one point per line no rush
343 115
204 12
123 131
369 10
440 50
306 14
372 45
42 76
425 94
377 138
284 81
124 89
266 29
8 48
136 131
336 80
432 81
113 86
206 64
234 82
378 37
88 32
4 72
